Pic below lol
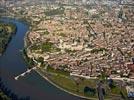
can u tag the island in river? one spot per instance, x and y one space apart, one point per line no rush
6 32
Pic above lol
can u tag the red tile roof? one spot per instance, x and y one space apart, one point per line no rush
131 67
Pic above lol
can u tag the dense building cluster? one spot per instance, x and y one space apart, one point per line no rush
88 38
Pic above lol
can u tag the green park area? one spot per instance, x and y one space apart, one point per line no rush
45 47
71 84
81 86
58 11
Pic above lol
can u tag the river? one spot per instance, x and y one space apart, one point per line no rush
13 64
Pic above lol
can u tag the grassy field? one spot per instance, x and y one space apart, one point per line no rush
76 85
72 84
60 72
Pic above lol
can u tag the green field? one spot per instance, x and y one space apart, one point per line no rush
72 84
76 85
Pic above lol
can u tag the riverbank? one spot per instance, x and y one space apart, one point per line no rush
47 76
56 85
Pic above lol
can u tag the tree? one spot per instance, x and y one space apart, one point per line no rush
120 14
89 91
41 60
